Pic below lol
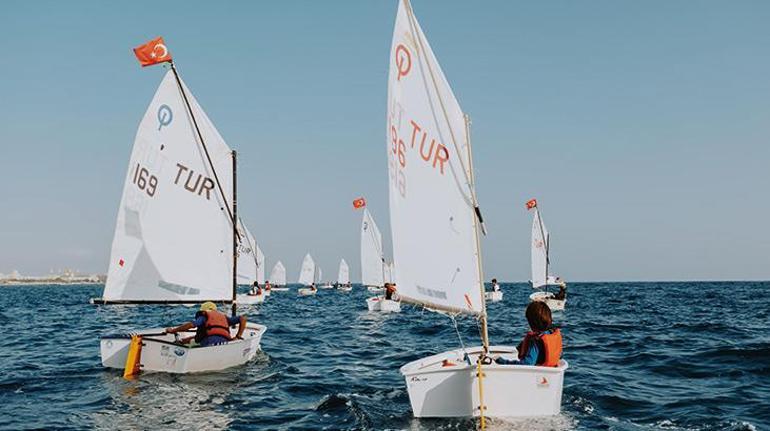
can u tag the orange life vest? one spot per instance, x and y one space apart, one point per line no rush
551 344
216 324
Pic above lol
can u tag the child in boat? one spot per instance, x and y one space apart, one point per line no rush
495 285
542 345
213 326
390 290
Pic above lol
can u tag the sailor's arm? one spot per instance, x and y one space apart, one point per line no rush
181 328
241 325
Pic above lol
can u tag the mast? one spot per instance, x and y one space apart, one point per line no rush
235 235
476 221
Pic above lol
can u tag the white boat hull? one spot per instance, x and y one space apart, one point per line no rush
379 303
250 299
494 296
267 292
547 297
279 289
438 390
160 353
345 288
374 289
327 286
306 291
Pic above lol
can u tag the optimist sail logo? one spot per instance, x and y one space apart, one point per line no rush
165 116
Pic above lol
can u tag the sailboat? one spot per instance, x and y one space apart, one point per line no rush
540 249
435 224
175 238
372 259
278 278
343 277
307 276
249 256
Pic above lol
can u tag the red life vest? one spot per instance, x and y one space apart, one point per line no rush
551 344
216 324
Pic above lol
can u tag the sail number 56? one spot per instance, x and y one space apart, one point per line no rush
146 182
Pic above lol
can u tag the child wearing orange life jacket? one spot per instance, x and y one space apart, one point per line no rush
542 345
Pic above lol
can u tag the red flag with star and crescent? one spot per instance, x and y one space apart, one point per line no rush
531 203
359 203
152 52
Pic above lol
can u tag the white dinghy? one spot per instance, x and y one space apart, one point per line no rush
372 258
249 256
176 240
435 223
307 275
493 296
540 251
343 277
278 278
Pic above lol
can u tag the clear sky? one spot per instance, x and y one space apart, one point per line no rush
642 128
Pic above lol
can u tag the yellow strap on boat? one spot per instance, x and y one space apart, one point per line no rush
482 407
133 359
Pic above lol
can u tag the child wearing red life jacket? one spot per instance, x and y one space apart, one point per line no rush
542 345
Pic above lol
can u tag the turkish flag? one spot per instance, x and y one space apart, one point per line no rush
359 203
152 52
532 203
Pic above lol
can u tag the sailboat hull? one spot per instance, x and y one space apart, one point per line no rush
379 303
160 353
494 296
444 385
306 291
250 299
547 297
374 289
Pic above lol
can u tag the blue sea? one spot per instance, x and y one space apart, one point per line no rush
643 356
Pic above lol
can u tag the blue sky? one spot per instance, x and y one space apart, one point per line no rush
641 127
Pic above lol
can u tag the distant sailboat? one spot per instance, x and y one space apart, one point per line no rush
343 277
540 253
249 266
278 277
175 237
372 259
435 223
307 276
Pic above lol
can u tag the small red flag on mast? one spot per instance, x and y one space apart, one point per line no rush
532 203
152 52
359 203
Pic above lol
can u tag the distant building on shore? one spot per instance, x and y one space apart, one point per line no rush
67 276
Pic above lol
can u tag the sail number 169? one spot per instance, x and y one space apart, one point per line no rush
146 182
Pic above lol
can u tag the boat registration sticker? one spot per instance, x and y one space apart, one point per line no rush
542 382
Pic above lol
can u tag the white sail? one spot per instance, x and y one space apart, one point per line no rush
247 259
173 238
431 193
278 275
539 251
343 275
307 272
260 265
371 252
318 274
390 273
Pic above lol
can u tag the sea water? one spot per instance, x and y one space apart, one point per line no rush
643 356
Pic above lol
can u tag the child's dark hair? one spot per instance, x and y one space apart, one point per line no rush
539 316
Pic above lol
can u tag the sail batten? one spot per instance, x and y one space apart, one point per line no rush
173 237
432 201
